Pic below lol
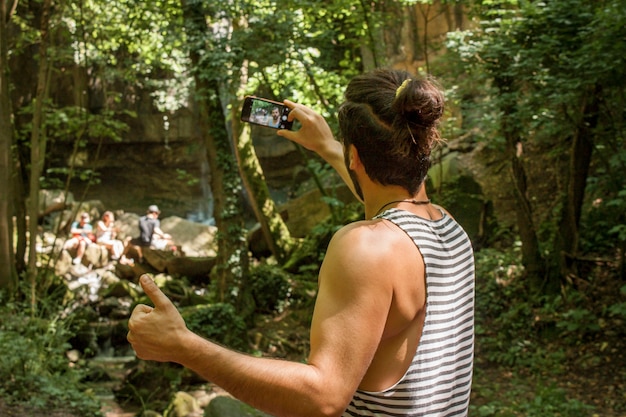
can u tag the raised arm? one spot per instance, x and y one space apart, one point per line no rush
315 135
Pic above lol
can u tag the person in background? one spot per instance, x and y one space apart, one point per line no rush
106 233
392 332
150 234
82 236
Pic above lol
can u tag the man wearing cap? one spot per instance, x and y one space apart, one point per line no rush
150 233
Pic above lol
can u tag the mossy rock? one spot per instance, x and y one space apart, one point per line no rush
224 406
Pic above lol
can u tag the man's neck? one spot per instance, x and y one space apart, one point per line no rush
385 197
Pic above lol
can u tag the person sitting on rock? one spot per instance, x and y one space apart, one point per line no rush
106 233
150 234
82 235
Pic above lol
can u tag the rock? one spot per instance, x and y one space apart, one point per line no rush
226 406
88 279
96 255
109 278
114 308
191 267
302 214
125 271
183 405
157 258
146 380
193 239
73 355
63 264
122 289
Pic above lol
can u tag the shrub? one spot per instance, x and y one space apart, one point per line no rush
218 322
34 370
270 287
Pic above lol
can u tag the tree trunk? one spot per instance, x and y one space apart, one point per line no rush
531 254
232 265
37 146
19 208
8 276
274 228
575 183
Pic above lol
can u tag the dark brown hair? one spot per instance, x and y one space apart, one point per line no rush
392 119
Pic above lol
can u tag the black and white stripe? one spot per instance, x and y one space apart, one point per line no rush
438 381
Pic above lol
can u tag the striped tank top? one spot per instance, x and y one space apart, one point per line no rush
438 380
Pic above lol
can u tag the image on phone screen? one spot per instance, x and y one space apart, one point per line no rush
265 112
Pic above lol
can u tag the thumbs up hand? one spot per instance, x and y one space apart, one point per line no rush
156 333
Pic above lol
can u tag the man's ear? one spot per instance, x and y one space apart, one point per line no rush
354 159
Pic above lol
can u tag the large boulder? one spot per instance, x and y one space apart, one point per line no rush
192 239
96 256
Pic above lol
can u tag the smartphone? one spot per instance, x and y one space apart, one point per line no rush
265 112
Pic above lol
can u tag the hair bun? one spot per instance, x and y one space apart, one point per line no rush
419 102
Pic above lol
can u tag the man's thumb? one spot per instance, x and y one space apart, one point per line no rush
154 293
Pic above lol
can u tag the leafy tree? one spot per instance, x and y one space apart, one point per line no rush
209 55
554 85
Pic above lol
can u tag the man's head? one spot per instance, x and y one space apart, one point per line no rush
84 218
154 210
391 118
275 113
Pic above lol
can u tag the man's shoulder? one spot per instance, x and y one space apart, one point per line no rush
367 237
365 228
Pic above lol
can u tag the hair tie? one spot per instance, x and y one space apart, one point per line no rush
402 86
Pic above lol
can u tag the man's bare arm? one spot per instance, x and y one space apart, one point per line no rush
315 135
346 329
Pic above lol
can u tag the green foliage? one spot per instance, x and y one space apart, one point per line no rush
512 329
543 401
604 218
618 310
532 338
218 322
579 321
543 82
271 288
150 385
551 400
306 51
307 258
34 370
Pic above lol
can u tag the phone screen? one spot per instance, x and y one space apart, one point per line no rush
264 112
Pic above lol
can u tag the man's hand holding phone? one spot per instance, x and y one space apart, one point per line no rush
265 112
314 133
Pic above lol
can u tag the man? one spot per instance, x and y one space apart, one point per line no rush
150 234
275 120
392 329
